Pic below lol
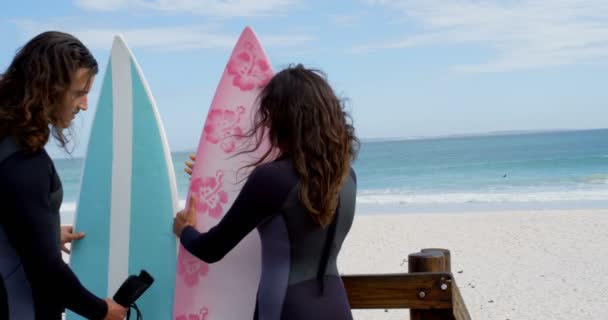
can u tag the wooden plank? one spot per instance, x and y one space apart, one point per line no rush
400 291
459 308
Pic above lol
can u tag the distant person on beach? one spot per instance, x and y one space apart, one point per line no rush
304 200
41 91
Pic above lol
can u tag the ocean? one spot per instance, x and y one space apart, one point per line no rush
532 171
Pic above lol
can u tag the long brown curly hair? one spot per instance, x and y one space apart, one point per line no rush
306 121
35 84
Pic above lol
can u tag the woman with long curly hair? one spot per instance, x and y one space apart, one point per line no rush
302 203
41 92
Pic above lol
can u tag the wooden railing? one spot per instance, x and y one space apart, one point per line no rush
429 289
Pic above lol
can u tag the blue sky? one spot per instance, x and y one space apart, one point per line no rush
408 67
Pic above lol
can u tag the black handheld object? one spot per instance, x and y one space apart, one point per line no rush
132 289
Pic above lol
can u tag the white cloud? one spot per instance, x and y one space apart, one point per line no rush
285 40
345 20
525 33
160 38
105 5
218 8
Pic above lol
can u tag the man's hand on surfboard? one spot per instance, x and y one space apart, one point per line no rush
190 165
184 218
67 236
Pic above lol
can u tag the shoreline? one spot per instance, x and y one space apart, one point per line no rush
68 210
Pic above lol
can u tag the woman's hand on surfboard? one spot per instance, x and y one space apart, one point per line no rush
184 218
67 236
115 311
190 165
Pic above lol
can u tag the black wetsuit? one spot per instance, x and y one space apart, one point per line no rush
31 196
300 279
3 300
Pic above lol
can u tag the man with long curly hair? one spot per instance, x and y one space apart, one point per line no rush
41 92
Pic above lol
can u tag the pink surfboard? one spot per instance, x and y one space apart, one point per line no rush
226 289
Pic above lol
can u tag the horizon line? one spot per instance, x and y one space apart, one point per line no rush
415 138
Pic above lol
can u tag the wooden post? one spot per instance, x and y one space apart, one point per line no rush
430 260
446 256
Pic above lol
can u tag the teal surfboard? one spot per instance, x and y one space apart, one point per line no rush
128 192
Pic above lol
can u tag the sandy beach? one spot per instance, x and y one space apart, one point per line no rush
508 265
544 264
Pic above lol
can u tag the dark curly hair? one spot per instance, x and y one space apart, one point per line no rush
35 84
306 122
